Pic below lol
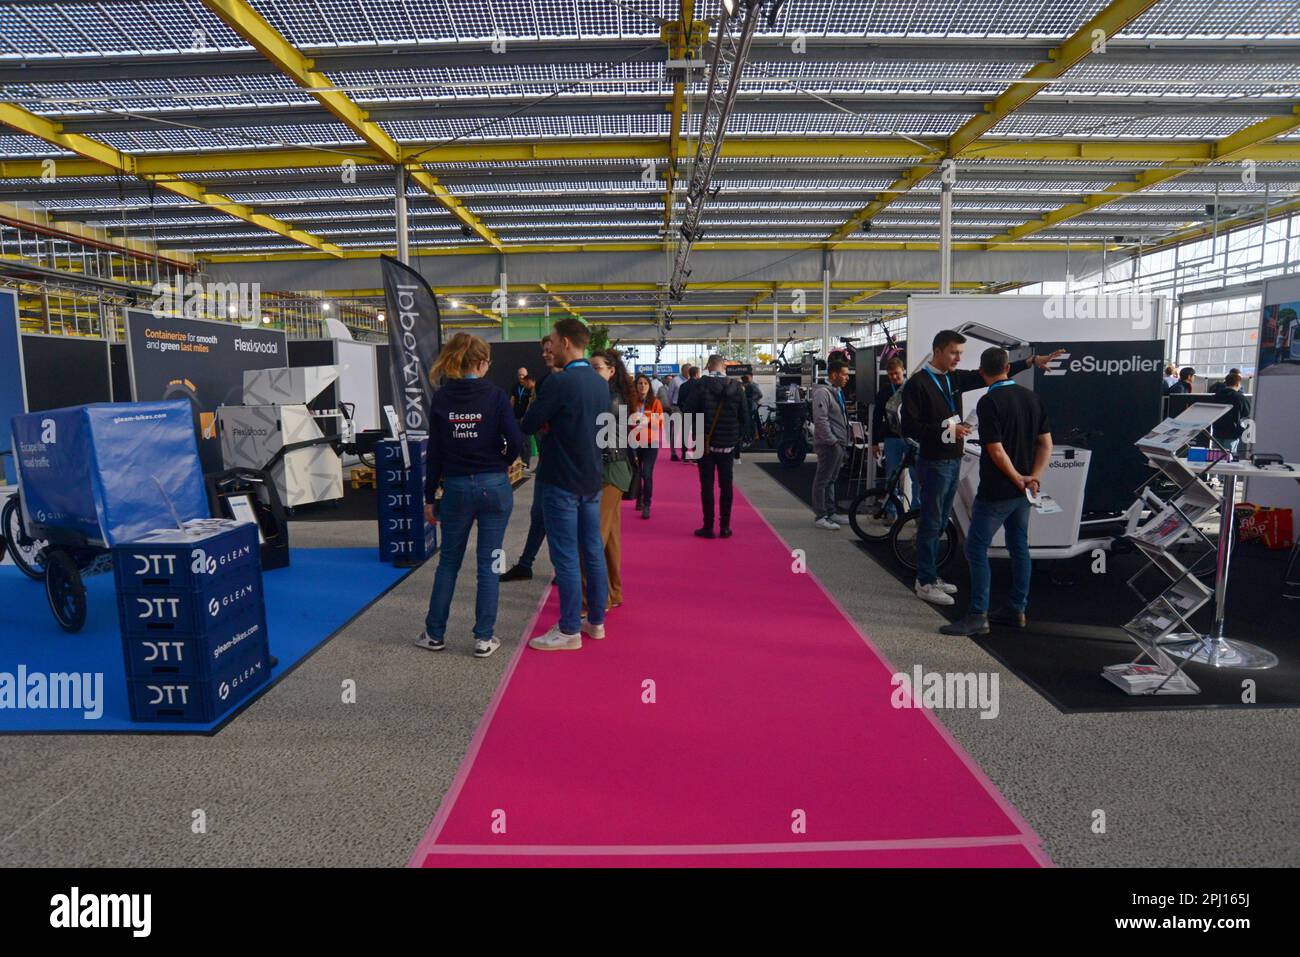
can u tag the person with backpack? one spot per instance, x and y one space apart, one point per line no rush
887 425
720 403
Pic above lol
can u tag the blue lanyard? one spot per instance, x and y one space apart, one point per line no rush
947 393
998 385
577 362
839 396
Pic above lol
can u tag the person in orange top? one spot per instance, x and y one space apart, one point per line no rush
647 426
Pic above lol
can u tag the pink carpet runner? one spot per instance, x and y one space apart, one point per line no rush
771 710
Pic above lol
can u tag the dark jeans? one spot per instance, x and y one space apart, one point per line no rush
526 450
723 463
895 450
573 533
985 520
536 529
645 461
938 481
488 499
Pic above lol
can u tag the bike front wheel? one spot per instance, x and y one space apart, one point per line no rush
902 539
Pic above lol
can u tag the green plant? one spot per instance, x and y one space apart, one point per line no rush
599 338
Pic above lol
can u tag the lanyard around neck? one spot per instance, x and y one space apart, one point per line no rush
947 393
998 385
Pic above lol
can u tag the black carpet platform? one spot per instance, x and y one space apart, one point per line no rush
1075 619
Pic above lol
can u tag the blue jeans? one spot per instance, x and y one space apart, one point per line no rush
895 449
536 529
938 486
985 520
573 534
487 498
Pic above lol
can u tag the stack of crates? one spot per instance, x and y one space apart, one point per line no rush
193 620
405 538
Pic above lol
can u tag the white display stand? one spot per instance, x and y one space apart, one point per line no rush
276 432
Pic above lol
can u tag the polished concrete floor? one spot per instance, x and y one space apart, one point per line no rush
302 778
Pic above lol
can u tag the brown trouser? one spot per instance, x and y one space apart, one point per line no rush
611 535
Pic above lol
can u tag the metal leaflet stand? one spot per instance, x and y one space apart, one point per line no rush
1153 629
1215 648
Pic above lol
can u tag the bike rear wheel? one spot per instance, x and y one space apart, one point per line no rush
873 514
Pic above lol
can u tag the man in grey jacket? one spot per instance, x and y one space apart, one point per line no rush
830 440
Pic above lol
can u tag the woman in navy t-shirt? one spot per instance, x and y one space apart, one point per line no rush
473 438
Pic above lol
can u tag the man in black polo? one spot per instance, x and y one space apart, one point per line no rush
1015 448
932 417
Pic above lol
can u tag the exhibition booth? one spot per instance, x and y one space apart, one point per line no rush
1166 569
148 565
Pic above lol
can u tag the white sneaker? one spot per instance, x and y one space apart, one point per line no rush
428 643
556 640
593 631
827 524
484 647
933 594
840 519
944 587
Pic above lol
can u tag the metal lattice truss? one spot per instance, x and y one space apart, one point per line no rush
268 129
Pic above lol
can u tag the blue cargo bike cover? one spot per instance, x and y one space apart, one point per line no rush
101 470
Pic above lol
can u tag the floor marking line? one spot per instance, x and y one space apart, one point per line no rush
679 850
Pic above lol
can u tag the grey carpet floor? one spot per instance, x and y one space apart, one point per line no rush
303 779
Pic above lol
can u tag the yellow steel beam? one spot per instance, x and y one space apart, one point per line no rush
1088 39
563 304
1029 150
680 40
1223 227
284 56
25 122
1227 149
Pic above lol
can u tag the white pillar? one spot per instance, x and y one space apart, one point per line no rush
945 239
776 325
826 313
403 237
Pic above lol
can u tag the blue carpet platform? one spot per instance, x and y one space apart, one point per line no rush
321 591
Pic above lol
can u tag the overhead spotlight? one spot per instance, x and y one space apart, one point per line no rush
467 232
233 309
324 307
380 316
521 302
866 226
266 320
455 304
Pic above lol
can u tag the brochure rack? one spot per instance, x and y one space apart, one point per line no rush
1173 521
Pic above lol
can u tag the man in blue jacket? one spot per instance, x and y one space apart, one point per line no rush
569 478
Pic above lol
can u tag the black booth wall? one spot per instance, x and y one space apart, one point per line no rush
120 370
1113 410
509 357
63 371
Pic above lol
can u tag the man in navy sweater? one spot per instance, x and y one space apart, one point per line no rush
569 479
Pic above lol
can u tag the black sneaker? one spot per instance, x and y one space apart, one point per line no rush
1008 616
724 533
704 532
967 627
645 511
519 573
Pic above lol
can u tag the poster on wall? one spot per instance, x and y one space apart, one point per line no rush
12 390
201 361
1279 339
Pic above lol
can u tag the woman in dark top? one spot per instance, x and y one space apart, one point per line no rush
473 438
